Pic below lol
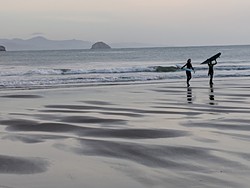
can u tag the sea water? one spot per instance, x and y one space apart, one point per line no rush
69 68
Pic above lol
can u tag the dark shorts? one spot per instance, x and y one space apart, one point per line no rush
188 73
210 72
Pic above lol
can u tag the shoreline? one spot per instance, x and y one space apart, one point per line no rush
195 82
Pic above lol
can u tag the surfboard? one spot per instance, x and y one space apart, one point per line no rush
184 69
213 58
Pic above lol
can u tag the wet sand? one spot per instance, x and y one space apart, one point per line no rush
143 135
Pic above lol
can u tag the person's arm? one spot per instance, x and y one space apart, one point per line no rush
193 69
184 66
215 62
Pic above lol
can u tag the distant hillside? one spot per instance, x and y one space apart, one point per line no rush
41 43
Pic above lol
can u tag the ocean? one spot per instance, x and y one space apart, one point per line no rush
69 68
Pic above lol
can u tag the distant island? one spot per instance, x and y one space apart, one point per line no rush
2 48
100 46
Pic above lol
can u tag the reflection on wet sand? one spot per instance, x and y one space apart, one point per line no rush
143 136
189 95
21 165
211 96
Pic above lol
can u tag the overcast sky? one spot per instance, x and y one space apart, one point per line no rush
165 22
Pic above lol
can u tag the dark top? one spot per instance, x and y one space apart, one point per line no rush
189 66
211 68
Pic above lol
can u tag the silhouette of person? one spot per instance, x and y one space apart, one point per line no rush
188 72
211 71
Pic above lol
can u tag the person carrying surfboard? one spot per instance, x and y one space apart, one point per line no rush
211 71
188 70
210 64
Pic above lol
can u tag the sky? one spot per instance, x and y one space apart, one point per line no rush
161 22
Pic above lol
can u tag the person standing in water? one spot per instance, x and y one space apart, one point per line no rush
211 71
188 72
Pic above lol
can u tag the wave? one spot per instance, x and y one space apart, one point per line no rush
45 71
118 70
50 77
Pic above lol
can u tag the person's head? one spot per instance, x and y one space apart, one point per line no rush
189 61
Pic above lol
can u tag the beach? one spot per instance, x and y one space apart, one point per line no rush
156 134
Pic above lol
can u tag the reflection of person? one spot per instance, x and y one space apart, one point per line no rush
211 71
211 95
189 95
188 72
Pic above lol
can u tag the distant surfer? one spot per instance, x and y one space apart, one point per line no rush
188 71
211 71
